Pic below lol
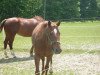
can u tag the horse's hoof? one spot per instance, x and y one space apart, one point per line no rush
14 57
31 55
50 71
6 57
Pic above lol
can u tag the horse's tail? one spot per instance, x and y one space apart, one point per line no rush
2 24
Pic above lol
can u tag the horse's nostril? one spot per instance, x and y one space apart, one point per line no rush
57 51
60 50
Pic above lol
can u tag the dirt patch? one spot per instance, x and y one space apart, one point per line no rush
80 64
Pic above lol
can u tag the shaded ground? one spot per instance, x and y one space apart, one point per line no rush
80 64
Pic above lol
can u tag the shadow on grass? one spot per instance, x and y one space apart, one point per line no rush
17 59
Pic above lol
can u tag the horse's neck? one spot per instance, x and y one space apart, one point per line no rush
44 36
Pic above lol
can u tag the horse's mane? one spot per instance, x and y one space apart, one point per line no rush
40 31
39 18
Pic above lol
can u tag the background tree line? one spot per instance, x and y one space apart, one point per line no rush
50 9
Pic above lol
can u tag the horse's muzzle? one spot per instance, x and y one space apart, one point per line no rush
57 51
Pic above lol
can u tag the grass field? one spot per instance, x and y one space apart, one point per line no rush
74 35
76 38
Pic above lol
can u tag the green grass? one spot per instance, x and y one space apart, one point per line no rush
74 36
63 72
15 71
77 51
72 33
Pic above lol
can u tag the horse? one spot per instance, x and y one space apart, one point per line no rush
46 42
17 25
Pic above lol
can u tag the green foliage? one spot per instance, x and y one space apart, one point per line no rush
32 8
66 9
10 8
21 8
88 8
50 9
98 5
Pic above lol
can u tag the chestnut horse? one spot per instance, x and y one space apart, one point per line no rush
21 26
46 42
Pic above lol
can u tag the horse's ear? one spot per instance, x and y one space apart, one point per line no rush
49 23
58 23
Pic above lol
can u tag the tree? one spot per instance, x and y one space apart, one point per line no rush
20 8
58 9
92 9
32 8
10 8
98 5
88 8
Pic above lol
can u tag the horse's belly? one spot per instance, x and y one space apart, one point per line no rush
25 34
25 31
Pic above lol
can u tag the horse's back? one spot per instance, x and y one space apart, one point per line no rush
13 19
22 26
27 26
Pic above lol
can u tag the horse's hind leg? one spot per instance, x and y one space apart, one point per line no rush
31 51
11 49
11 46
5 46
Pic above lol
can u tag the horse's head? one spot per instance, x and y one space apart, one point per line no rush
54 36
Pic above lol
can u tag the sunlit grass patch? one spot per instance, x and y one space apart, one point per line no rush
16 71
82 34
79 51
65 72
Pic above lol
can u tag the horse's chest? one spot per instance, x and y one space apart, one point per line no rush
43 51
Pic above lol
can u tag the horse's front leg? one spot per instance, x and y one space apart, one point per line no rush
51 70
37 61
47 64
43 69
